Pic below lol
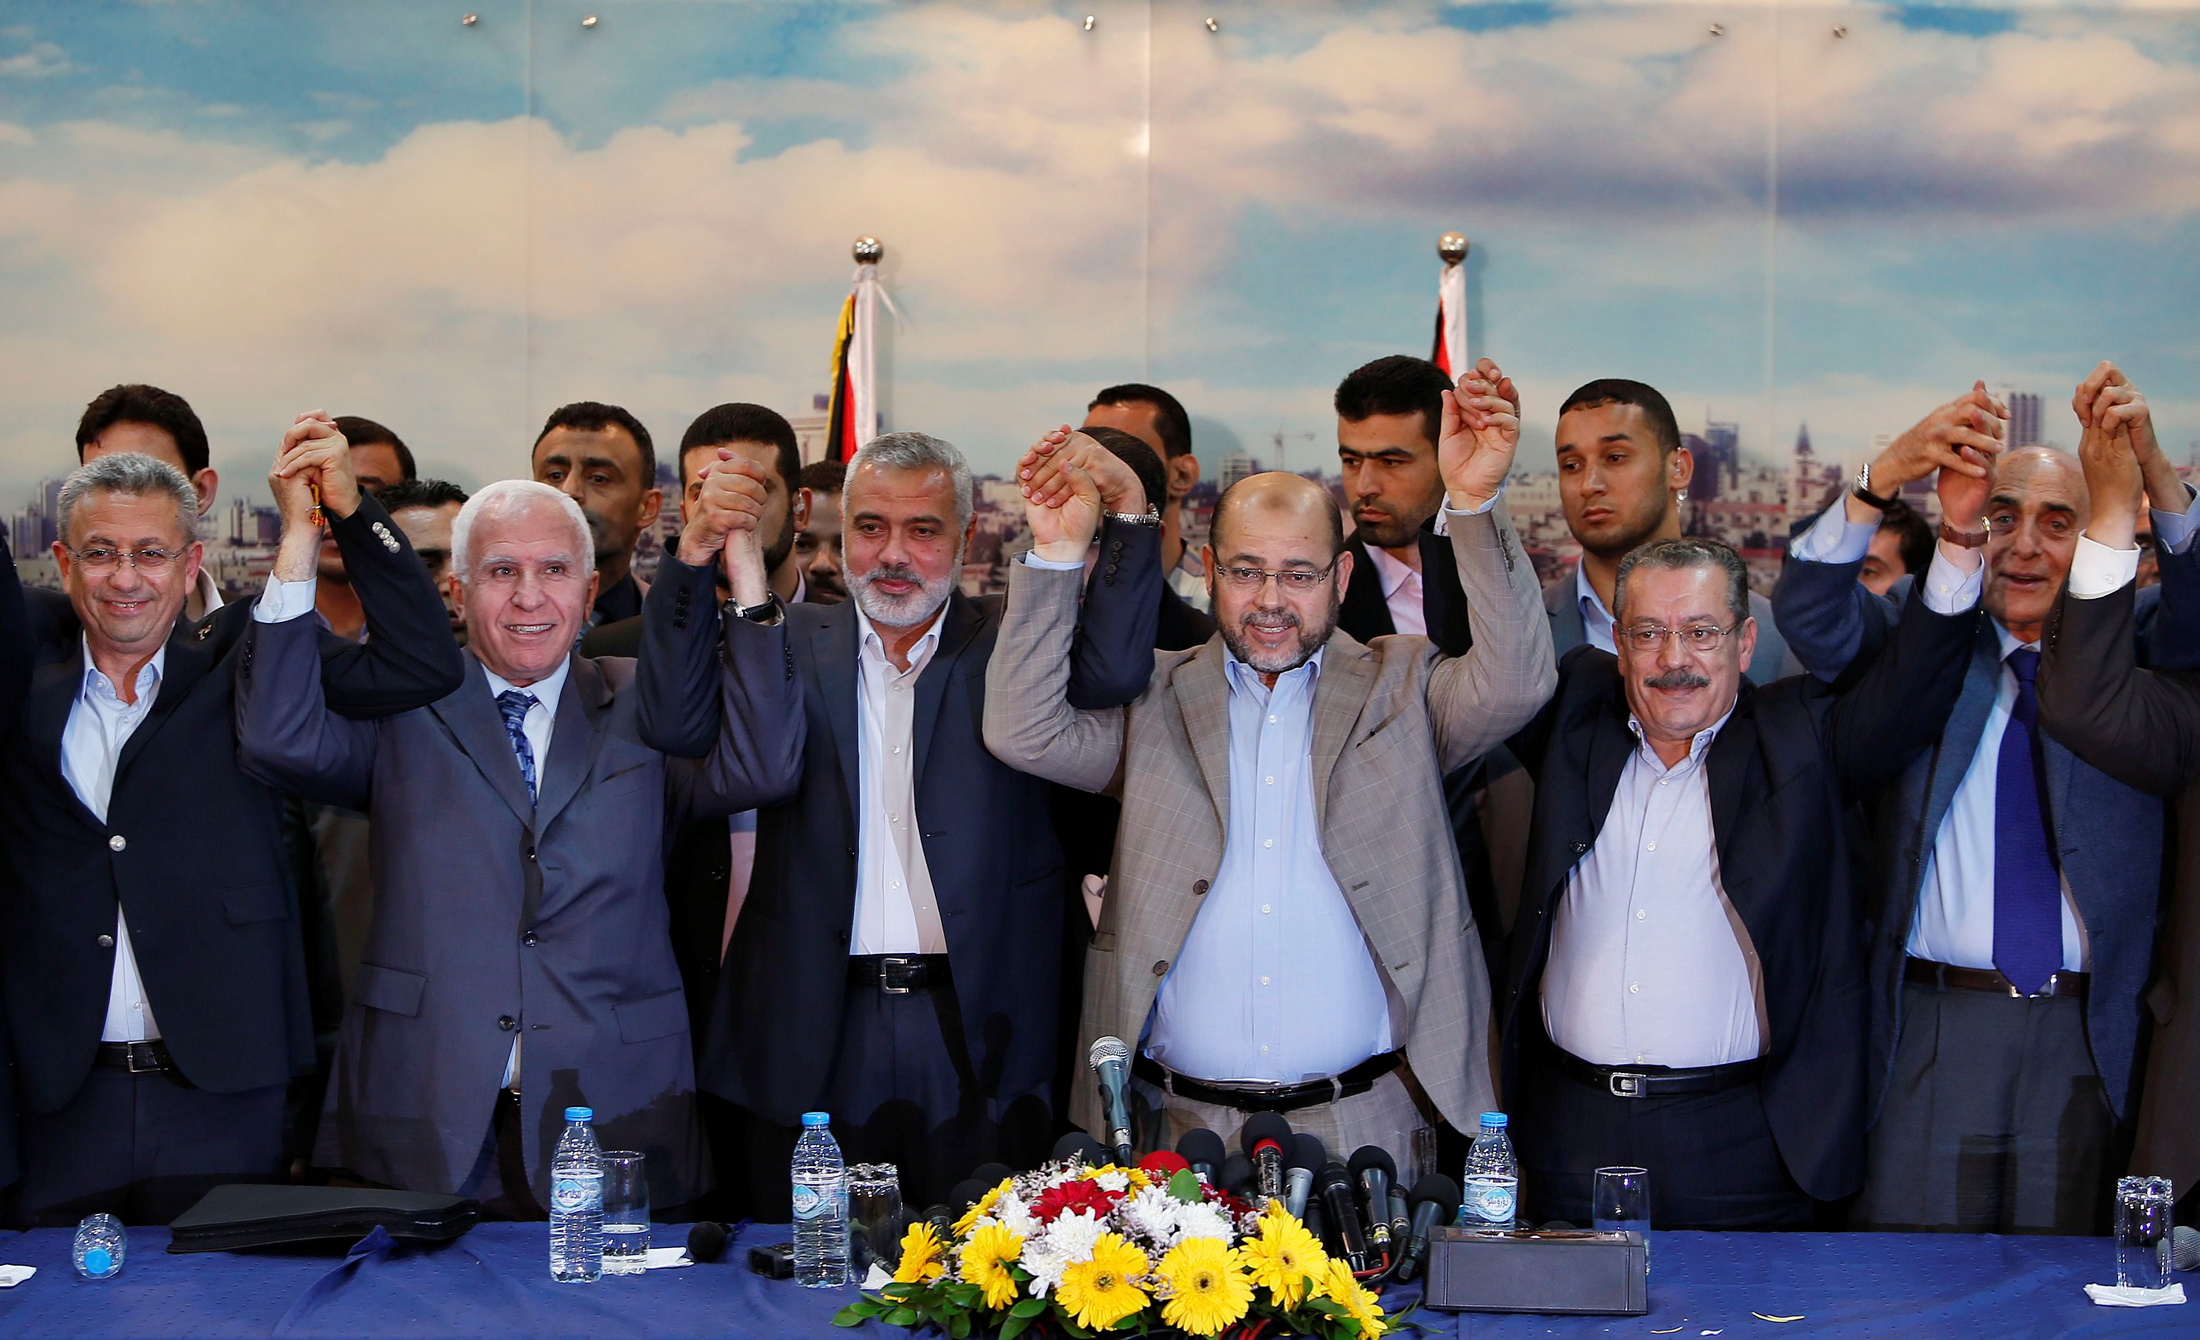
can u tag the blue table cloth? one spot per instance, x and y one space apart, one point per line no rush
495 1282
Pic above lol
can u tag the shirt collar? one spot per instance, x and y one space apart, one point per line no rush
1592 604
1390 571
1245 678
2010 641
546 689
148 676
870 642
1696 747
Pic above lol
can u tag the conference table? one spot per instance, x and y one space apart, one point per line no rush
495 1282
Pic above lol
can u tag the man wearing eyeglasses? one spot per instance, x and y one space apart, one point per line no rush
1685 984
1286 929
154 968
2013 887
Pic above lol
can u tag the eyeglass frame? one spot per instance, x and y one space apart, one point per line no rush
92 561
1666 635
1230 578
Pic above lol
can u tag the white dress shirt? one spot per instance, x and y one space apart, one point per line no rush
99 725
1649 965
1402 592
893 882
1596 621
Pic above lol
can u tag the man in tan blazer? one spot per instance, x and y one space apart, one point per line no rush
1285 928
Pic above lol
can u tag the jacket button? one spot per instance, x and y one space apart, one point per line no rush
507 1022
1199 886
530 853
117 842
1160 967
106 942
528 938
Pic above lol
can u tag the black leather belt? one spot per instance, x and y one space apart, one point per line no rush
1948 976
1268 1097
898 974
139 1058
1655 1081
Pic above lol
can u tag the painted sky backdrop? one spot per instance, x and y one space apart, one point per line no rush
270 206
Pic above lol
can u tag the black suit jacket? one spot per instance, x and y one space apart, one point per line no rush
1790 758
991 852
1366 615
192 848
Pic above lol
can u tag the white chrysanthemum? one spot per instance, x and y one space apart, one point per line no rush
1204 1220
1115 1179
1151 1214
1014 1214
1046 1266
1072 1236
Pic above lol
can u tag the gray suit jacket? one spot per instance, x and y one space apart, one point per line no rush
1390 718
497 918
1772 660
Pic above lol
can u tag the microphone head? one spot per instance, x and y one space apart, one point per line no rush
1200 1145
706 1241
1376 1157
1305 1151
1332 1174
2184 1249
969 1193
1440 1191
1165 1164
1108 1049
1236 1174
1261 1128
1077 1144
992 1174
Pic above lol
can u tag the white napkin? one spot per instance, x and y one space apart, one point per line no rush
877 1279
2111 1295
10 1276
666 1258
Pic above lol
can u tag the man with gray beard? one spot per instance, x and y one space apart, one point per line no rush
892 963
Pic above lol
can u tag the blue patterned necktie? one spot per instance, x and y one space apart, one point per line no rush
2027 889
514 704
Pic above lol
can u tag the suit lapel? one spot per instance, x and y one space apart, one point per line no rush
1567 629
1443 603
1340 695
958 625
1364 613
833 648
54 687
1959 741
471 716
1203 696
575 740
187 663
1731 775
1609 745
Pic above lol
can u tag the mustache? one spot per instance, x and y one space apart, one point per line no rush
1679 677
891 572
1285 616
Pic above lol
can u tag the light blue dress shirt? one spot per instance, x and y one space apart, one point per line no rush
92 739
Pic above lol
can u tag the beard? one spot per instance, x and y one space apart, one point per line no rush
1277 660
1622 535
902 611
1394 531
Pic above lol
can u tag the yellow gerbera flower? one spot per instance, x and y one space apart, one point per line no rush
1338 1286
921 1250
1205 1285
1283 1256
1100 1292
985 1261
984 1206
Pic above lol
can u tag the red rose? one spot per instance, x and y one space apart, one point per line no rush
1076 1195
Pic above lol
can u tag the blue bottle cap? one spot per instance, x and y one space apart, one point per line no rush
580 1114
810 1119
98 1261
1493 1121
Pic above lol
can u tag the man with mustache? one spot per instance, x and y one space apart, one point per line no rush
1285 928
601 457
2012 888
901 902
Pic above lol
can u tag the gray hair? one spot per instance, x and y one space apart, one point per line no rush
1677 554
137 475
920 451
514 495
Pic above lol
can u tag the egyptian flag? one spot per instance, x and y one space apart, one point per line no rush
853 419
1451 322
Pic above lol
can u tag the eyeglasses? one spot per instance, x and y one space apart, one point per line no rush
1287 579
1651 637
103 560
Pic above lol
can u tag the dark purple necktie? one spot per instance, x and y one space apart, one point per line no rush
2027 889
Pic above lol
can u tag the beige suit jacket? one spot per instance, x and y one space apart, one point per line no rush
1390 718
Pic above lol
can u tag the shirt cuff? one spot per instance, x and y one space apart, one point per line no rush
1032 560
1483 510
284 601
2173 531
1948 588
1833 538
2096 570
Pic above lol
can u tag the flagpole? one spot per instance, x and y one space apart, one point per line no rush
1451 306
863 341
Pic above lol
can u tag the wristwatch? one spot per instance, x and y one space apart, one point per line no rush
767 613
1862 490
1967 539
1150 517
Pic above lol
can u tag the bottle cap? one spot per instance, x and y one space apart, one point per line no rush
99 1261
810 1119
580 1114
1494 1121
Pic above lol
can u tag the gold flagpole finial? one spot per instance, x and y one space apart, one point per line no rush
867 250
1452 247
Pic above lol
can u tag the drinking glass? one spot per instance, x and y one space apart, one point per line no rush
625 1212
1621 1204
2143 1206
874 1214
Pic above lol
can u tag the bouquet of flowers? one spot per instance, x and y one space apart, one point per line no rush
1075 1251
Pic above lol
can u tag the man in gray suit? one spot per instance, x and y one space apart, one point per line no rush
1286 929
520 959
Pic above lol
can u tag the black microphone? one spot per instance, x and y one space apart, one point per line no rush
1110 1060
1335 1185
1375 1171
1435 1201
1262 1138
1306 1158
1237 1175
1318 1225
967 1193
1080 1146
1202 1149
991 1174
706 1241
942 1218
2184 1249
1401 1222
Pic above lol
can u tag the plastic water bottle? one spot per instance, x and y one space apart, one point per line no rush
1492 1179
820 1206
576 1202
100 1244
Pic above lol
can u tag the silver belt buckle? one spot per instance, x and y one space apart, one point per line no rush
1625 1084
886 968
152 1064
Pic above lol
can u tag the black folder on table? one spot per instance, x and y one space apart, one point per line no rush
230 1218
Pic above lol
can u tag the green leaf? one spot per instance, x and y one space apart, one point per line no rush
959 1326
1013 1327
851 1315
1027 1308
1184 1186
902 1316
1070 1327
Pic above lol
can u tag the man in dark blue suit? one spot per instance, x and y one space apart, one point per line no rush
2015 886
894 961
